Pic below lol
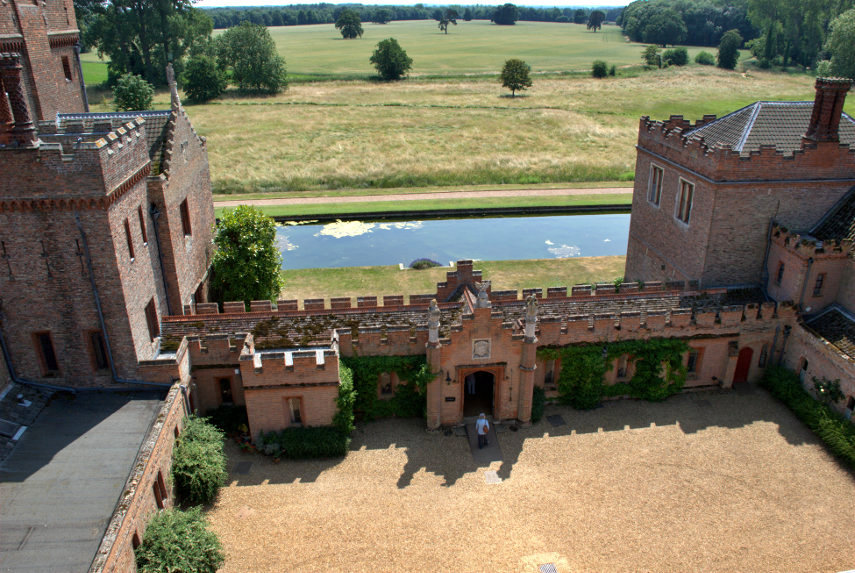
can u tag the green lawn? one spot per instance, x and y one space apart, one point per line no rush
504 275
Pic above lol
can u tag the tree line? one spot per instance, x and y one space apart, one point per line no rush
692 22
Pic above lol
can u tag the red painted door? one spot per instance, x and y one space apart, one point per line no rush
743 364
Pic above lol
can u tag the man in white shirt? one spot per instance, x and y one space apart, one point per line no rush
482 428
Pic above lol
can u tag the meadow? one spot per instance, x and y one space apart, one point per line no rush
452 123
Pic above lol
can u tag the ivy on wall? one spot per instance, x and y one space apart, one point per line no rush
659 370
408 400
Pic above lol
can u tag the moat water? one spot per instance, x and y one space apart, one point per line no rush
362 243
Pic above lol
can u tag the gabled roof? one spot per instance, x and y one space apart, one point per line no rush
836 327
778 123
839 222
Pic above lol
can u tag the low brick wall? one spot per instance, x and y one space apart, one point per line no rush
138 501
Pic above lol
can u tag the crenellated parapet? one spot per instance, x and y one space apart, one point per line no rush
806 246
289 368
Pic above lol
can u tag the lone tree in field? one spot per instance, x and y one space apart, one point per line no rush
728 49
515 76
596 19
248 50
349 24
391 60
448 17
246 264
506 15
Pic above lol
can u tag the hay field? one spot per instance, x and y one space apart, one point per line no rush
711 481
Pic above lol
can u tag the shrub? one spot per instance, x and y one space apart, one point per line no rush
391 60
538 403
612 70
343 419
676 57
198 462
728 49
203 80
421 264
705 59
132 93
650 55
599 69
178 540
305 443
836 432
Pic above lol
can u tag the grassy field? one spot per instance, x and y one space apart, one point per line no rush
505 275
463 129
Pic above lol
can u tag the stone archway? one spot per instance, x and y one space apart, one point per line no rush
479 393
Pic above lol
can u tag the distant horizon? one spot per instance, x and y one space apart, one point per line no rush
527 3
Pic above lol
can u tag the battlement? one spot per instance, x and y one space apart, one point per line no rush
807 246
290 368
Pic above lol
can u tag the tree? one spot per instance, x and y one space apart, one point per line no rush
132 92
506 15
651 57
178 540
381 16
249 51
664 27
676 56
704 59
467 15
596 19
142 36
198 462
203 80
841 45
599 69
448 17
515 76
246 264
728 49
579 16
349 24
391 60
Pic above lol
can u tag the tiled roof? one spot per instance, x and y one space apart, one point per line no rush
778 123
837 328
839 222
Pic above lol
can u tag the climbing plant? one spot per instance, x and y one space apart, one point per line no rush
659 370
408 400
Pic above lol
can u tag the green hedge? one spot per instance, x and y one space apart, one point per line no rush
584 366
305 443
198 462
178 540
834 430
409 398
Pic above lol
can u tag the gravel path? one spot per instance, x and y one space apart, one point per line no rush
424 196
709 481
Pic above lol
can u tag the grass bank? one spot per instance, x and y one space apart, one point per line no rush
505 275
344 209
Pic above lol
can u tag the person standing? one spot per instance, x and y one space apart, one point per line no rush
470 384
482 428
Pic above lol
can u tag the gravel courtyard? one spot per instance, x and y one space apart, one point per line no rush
707 481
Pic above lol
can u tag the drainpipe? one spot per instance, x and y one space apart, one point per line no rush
155 215
764 272
80 75
97 297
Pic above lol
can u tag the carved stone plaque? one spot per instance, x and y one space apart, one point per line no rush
480 349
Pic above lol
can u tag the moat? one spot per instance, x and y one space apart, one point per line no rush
362 243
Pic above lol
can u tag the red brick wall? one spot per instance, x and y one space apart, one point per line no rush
846 289
824 361
48 31
137 503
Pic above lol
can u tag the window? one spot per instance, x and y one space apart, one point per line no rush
151 319
185 218
135 541
779 276
817 286
693 365
129 239
160 492
296 415
98 350
654 187
803 370
764 356
226 390
142 225
621 367
549 376
66 68
385 384
684 201
47 355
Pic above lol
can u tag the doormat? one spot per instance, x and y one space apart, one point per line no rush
490 476
243 467
556 420
548 568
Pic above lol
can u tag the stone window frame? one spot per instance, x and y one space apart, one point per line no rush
94 339
683 207
818 284
44 362
289 412
151 319
142 225
66 69
694 367
129 240
654 186
185 218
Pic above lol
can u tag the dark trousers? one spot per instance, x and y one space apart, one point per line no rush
482 440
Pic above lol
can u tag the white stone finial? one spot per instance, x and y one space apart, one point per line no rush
433 322
482 301
530 316
173 86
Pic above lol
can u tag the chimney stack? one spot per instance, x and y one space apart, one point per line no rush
16 126
827 108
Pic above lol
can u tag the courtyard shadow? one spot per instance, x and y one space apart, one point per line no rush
448 454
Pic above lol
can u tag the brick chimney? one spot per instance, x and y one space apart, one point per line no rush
16 126
827 107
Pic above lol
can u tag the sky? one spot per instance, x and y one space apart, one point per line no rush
558 3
